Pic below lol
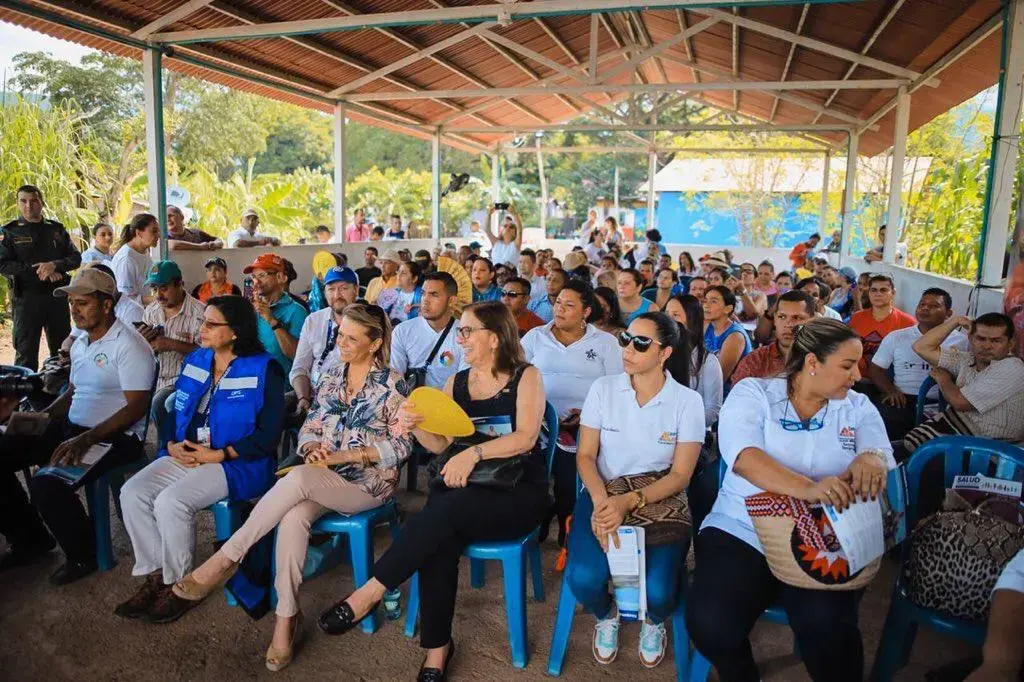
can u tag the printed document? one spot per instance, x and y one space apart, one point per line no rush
628 565
859 532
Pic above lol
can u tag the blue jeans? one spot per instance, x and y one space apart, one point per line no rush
588 573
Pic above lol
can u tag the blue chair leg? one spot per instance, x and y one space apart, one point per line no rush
412 608
97 495
360 542
681 642
563 628
700 667
514 573
895 643
535 571
477 573
227 518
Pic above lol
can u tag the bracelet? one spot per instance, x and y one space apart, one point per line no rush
365 457
881 456
479 452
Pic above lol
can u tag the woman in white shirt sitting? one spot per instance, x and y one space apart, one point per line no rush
808 436
570 354
644 421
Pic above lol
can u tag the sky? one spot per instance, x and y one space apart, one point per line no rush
15 39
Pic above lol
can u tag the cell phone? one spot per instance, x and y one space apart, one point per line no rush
501 205
139 324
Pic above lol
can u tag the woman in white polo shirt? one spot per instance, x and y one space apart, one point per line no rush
809 436
645 420
570 354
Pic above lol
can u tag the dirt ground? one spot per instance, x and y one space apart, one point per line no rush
71 633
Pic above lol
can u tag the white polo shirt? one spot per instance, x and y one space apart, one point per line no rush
312 357
634 439
1012 577
569 371
102 370
130 271
242 233
505 252
910 369
751 418
411 343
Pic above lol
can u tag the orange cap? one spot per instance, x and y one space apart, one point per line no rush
266 261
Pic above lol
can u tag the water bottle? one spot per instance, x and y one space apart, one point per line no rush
393 604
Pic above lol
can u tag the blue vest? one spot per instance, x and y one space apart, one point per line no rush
234 410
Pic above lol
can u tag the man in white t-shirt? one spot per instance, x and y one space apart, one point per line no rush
112 369
413 340
505 247
246 235
897 402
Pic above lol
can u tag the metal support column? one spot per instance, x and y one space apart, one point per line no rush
1005 143
340 172
495 186
435 186
543 192
153 93
823 211
899 156
849 198
652 168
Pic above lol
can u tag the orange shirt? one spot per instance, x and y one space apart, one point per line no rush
526 321
872 331
798 256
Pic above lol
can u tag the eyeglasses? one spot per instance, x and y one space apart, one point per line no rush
511 294
811 424
212 325
640 343
464 332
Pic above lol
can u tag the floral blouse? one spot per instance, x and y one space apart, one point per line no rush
371 420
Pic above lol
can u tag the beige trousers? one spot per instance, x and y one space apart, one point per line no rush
293 504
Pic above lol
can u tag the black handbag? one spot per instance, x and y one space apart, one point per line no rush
500 474
417 376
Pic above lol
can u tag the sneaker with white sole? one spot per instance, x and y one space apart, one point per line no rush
652 644
606 640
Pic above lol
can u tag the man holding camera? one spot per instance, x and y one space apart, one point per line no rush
112 370
506 246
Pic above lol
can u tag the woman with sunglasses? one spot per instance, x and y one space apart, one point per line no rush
227 419
644 421
504 396
570 353
352 447
808 436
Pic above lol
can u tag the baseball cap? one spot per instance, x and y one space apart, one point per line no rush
849 273
163 272
266 261
475 245
248 212
216 260
341 273
88 281
391 255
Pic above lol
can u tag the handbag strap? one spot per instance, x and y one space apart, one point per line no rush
440 340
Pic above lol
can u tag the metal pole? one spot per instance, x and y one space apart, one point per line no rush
899 156
543 193
152 83
435 186
823 212
340 172
849 197
617 214
1002 163
652 168
495 185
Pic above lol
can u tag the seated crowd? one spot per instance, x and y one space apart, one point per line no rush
654 366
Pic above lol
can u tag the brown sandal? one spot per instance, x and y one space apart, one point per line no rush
278 659
192 590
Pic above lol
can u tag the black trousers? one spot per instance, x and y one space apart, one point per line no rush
53 501
32 314
563 474
432 541
732 587
703 487
898 420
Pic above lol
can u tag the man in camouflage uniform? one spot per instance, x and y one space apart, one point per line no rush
35 256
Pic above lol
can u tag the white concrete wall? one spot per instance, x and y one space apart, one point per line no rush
910 283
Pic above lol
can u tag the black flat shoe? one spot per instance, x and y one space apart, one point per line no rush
72 571
339 619
436 674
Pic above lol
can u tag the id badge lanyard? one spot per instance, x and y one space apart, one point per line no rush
332 340
203 432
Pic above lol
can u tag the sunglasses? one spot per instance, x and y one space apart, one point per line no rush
511 294
640 343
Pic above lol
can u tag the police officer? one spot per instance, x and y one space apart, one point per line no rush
35 256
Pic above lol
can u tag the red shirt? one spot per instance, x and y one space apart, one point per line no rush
764 363
798 256
872 331
526 321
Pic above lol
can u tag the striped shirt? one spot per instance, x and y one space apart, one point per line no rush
996 392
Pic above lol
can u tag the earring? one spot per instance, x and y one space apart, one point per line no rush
234 338
812 374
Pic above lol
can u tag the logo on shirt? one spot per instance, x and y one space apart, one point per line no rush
591 354
848 438
447 359
667 438
101 360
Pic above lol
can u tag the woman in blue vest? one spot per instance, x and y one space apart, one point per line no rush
353 450
723 335
228 415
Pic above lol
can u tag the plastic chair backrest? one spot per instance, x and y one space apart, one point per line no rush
962 455
922 397
551 426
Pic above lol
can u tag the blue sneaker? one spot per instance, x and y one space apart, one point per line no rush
652 644
606 640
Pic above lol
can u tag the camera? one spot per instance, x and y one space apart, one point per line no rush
501 205
19 385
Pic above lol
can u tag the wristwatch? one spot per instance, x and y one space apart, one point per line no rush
641 501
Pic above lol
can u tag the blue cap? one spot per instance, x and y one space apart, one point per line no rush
849 273
475 245
341 273
163 272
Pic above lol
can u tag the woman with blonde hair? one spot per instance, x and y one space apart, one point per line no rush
353 447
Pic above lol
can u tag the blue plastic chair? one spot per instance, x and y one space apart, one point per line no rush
514 556
962 455
358 528
97 497
922 399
